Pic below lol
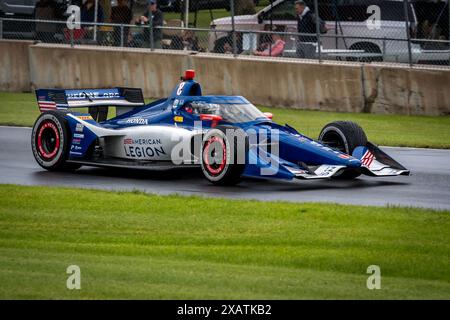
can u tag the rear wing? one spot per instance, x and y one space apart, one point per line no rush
61 99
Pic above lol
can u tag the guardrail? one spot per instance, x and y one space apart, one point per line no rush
235 40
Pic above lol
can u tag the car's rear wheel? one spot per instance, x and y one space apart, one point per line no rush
50 142
344 136
224 152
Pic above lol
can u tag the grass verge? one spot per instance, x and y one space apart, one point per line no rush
391 130
133 245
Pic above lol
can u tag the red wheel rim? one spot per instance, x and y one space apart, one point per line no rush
48 140
214 168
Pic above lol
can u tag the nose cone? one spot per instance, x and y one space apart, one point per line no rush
301 148
296 148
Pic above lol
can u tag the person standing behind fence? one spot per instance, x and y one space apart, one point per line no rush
46 10
305 24
121 14
88 12
88 15
158 20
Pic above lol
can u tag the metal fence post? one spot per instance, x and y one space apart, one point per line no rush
316 12
152 40
1 28
95 20
71 38
121 35
408 35
186 13
233 34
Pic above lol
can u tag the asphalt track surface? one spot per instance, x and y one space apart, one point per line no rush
428 186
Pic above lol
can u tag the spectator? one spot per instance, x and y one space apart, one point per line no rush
88 12
424 30
265 38
190 41
158 20
46 10
121 14
227 48
187 41
225 44
305 24
274 49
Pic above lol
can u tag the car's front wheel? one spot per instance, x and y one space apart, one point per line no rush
224 152
344 136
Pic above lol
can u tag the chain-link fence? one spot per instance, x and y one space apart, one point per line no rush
402 31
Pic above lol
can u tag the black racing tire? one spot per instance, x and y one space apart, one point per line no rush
227 169
50 142
344 136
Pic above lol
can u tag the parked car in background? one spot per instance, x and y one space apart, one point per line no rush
178 5
23 10
17 8
346 18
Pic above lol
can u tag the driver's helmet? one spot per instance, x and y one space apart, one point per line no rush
201 107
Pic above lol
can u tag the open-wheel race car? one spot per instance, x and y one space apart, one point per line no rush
227 136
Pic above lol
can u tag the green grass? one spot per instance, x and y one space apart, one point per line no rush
133 245
392 130
18 109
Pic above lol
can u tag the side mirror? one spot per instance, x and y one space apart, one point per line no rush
210 117
214 118
268 115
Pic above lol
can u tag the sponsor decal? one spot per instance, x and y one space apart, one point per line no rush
137 121
141 152
178 119
143 148
85 118
79 127
297 171
325 170
367 158
142 141
78 135
75 147
92 95
128 141
76 141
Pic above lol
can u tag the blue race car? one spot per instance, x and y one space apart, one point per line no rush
227 136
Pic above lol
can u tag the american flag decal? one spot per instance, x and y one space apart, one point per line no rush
367 158
47 105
